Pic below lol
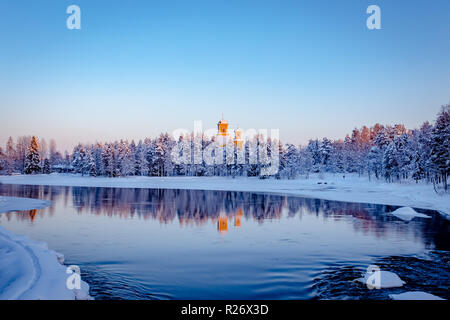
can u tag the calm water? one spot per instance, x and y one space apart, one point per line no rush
182 244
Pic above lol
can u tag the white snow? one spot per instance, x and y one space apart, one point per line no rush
407 214
351 189
414 295
29 270
8 204
381 279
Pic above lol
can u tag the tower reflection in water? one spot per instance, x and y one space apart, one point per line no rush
222 222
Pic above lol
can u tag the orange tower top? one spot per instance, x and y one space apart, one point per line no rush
222 127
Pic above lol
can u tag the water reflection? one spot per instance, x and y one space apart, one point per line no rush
225 209
186 244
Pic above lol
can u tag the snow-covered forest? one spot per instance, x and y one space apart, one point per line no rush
386 152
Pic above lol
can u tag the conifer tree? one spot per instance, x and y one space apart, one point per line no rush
46 169
33 159
440 146
10 156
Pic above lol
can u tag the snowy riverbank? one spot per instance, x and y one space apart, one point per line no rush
8 204
329 187
29 269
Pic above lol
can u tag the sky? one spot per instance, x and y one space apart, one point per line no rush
137 68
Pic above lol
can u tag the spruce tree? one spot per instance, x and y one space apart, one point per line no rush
33 159
10 155
46 169
440 146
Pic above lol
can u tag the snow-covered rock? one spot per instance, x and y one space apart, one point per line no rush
31 271
407 214
414 295
380 279
8 204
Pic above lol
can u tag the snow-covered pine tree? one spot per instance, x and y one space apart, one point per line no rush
252 156
91 168
292 162
10 156
404 155
424 149
97 154
141 164
133 150
305 161
282 159
375 161
22 146
46 168
150 155
325 151
416 169
33 159
197 155
126 159
314 151
337 161
108 160
440 146
2 161
376 152
158 161
80 163
168 145
115 147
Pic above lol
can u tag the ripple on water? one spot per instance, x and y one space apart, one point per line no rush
430 275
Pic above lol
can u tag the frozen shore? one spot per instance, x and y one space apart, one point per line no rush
8 204
29 269
329 187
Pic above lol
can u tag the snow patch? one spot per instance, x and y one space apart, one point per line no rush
414 295
381 279
30 271
8 204
407 214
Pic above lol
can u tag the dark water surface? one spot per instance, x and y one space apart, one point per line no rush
184 244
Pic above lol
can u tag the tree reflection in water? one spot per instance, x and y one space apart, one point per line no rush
227 209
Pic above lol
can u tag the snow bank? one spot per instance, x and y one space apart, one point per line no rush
380 279
352 189
407 214
8 204
31 271
414 295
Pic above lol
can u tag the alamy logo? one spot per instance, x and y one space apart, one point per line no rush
374 20
74 20
373 277
74 280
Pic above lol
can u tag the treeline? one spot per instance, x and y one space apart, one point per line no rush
386 152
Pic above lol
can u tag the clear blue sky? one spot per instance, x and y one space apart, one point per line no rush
136 68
